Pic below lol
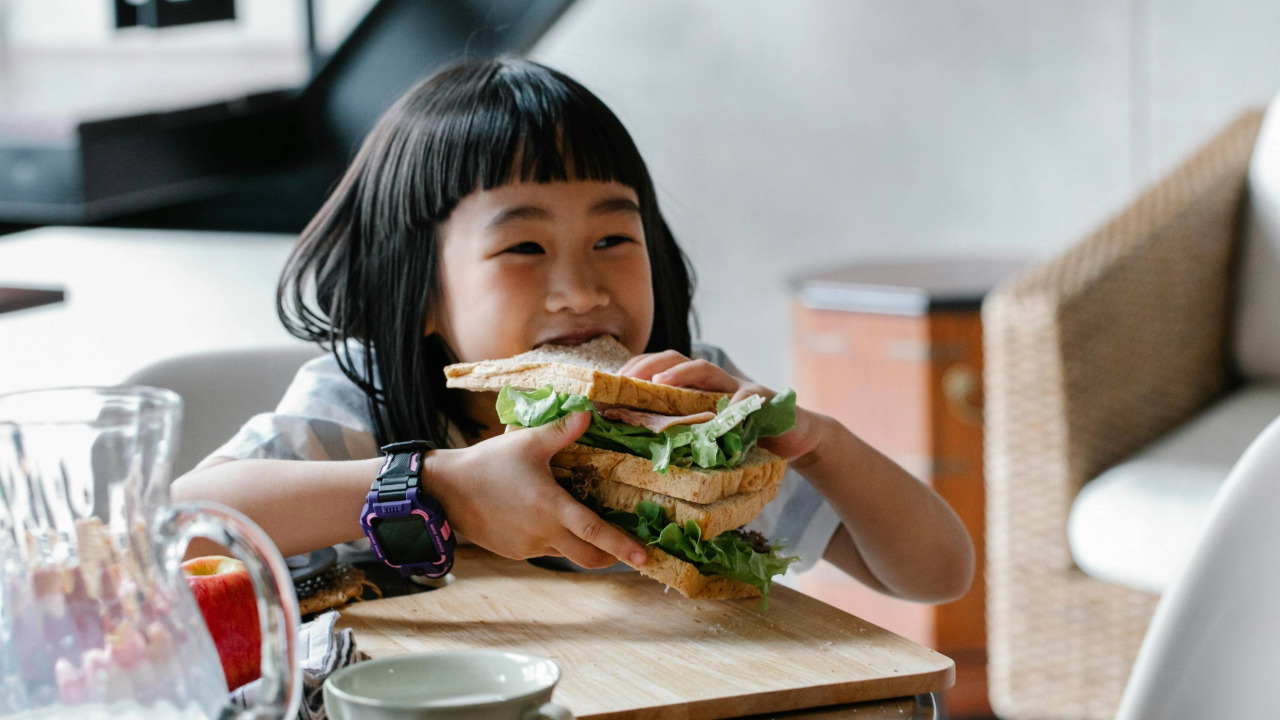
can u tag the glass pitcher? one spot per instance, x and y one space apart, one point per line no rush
95 617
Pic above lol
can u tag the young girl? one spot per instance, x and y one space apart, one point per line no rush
498 206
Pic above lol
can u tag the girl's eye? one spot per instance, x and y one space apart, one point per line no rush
611 241
526 248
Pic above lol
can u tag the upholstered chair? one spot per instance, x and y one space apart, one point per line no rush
1124 379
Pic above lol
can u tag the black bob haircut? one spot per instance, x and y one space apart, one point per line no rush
370 255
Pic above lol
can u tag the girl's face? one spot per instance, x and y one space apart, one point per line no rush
531 263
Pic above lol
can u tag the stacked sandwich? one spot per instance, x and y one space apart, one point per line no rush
676 468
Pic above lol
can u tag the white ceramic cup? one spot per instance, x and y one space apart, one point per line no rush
489 684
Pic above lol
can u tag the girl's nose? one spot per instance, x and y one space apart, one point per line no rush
576 288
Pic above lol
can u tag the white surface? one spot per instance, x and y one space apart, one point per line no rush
1138 523
1257 320
134 297
1211 649
1203 60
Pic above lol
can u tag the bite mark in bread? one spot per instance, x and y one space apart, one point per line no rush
589 370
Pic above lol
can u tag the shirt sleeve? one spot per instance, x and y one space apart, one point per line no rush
801 519
799 516
322 416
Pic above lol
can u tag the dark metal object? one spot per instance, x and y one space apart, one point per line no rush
105 168
918 707
257 162
166 13
313 49
309 565
400 42
21 298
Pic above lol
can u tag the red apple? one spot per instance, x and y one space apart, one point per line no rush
224 592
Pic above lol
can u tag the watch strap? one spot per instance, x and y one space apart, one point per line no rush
401 470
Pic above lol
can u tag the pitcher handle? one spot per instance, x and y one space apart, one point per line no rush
277 603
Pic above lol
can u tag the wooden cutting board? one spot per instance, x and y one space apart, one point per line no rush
628 649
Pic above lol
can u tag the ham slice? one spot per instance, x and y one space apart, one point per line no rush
649 420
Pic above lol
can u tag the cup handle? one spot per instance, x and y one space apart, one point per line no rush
277 603
549 711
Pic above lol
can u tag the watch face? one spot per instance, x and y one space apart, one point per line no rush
405 540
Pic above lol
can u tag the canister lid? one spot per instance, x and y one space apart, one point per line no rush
907 287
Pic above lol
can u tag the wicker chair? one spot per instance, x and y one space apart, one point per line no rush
1089 357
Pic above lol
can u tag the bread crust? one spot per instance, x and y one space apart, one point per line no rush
760 470
685 578
596 385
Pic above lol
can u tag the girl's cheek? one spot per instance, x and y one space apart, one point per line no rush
640 281
515 291
638 300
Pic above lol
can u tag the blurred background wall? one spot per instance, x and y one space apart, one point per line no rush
786 137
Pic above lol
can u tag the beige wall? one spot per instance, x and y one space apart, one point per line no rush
788 136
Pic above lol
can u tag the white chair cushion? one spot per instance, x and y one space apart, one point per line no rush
1257 318
1137 523
221 390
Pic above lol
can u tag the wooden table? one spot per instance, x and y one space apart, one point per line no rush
894 352
630 650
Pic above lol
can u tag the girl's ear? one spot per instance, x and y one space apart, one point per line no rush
431 321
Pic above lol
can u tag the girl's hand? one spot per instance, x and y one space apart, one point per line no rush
500 494
671 368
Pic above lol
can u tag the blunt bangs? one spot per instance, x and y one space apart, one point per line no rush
522 122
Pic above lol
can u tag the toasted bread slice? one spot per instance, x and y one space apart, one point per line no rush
760 470
712 518
589 370
684 577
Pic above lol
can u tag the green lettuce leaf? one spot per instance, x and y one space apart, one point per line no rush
721 442
726 554
576 403
776 416
530 409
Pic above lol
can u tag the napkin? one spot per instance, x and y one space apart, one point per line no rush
322 650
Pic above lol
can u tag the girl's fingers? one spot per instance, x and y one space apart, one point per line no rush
547 440
749 389
698 374
546 551
583 554
592 529
627 365
643 367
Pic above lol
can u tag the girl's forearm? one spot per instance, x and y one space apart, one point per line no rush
267 491
904 534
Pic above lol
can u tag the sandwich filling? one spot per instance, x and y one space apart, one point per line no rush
703 441
742 555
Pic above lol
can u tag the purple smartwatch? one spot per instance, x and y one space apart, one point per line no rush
407 529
